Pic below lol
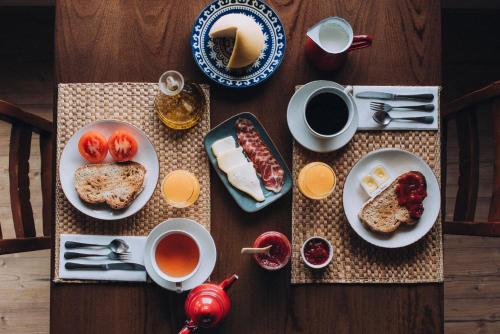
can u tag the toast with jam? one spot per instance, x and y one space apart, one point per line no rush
399 203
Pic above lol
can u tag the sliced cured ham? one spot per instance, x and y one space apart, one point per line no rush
267 167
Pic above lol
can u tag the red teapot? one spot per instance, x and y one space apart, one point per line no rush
207 304
330 41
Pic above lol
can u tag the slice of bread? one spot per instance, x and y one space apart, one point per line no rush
116 184
382 213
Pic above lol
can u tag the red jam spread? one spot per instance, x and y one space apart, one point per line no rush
316 251
411 190
278 255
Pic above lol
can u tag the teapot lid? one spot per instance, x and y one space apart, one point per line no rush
206 306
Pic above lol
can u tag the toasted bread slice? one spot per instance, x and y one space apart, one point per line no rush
382 213
116 184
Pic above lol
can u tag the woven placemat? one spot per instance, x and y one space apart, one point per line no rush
355 260
82 103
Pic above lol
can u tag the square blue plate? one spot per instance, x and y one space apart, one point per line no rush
228 128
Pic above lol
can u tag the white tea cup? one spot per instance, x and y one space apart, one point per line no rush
178 280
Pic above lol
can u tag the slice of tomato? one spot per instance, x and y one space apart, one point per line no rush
93 146
122 146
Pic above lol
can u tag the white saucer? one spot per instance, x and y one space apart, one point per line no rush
71 160
299 129
396 162
208 253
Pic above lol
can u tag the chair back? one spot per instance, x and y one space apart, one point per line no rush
23 124
464 111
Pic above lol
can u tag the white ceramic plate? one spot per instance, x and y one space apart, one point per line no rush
208 253
396 162
71 160
299 129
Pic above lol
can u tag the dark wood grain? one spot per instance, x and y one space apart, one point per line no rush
47 165
468 180
137 41
19 154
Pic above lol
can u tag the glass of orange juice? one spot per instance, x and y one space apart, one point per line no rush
180 188
316 180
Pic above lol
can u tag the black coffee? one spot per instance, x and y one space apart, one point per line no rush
327 113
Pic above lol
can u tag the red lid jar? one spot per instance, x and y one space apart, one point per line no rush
279 254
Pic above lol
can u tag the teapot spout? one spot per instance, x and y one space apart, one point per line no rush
189 328
226 284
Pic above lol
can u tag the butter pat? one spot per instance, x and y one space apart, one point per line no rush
248 38
369 184
380 174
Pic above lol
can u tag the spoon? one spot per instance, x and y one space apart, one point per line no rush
263 250
383 118
118 246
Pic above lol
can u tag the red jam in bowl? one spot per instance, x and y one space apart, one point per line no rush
411 192
279 254
316 251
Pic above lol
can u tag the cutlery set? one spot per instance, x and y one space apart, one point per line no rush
381 110
119 251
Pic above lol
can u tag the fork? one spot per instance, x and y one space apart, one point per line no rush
110 255
376 106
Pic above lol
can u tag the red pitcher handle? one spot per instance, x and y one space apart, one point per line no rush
360 42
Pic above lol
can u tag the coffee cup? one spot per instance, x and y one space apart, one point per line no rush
328 112
176 257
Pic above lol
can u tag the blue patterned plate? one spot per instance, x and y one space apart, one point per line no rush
212 55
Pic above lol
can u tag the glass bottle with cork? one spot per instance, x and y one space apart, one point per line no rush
179 104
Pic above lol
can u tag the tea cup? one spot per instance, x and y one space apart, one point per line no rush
178 280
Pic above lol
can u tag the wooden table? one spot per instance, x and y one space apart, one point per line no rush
105 41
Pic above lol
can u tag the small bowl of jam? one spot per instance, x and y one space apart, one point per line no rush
279 254
317 252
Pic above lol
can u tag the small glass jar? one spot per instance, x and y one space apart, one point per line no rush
179 104
279 254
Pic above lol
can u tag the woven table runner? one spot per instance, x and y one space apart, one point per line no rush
82 103
355 260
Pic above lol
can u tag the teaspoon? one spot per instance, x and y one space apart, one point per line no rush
383 118
263 250
118 246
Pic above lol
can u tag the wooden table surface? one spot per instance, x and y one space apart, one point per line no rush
107 41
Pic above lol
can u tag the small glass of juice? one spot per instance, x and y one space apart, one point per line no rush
180 188
316 180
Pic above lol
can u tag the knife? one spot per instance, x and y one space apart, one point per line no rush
105 266
390 96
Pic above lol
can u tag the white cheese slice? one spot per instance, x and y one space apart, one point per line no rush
223 145
248 38
231 159
245 179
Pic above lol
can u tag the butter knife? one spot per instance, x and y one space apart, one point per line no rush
105 266
390 96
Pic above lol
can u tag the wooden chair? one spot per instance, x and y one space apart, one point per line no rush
464 110
23 125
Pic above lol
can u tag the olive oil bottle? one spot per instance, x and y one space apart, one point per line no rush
179 104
